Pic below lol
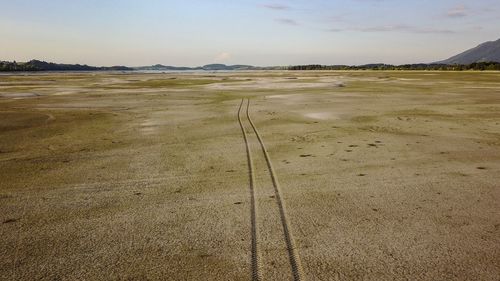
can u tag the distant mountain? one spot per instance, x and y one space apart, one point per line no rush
160 67
208 67
228 67
37 65
453 64
486 52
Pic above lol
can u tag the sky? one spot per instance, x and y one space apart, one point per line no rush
263 33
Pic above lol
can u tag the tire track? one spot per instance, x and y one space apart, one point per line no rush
290 243
253 213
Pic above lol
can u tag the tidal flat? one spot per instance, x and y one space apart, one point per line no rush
369 175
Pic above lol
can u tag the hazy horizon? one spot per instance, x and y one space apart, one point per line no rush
262 33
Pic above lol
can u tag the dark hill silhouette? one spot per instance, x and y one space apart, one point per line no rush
37 65
486 52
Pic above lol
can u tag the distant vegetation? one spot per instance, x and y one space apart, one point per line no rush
483 57
208 67
36 65
445 67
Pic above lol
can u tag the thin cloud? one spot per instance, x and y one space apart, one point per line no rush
457 12
430 30
287 21
276 6
336 30
384 28
338 18
395 28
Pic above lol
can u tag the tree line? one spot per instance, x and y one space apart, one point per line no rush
36 65
481 66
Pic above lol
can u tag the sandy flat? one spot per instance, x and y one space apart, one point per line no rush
146 176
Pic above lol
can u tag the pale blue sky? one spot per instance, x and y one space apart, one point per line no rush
281 32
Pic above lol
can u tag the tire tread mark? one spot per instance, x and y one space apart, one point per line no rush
290 243
253 213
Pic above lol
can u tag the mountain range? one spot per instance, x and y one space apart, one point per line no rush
37 65
208 67
486 54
